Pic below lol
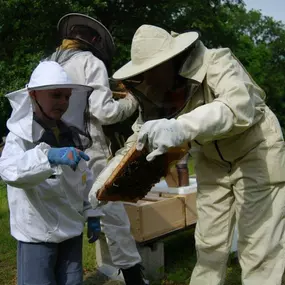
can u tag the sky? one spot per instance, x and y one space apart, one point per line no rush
273 8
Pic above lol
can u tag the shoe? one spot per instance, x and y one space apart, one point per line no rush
134 275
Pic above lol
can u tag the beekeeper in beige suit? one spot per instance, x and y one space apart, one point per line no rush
236 142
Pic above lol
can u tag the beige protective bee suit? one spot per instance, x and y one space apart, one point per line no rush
239 154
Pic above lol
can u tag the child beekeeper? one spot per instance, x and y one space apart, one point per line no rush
44 165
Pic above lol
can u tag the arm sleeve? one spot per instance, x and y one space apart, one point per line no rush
237 101
102 105
25 168
87 208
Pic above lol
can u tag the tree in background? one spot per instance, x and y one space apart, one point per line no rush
28 33
260 46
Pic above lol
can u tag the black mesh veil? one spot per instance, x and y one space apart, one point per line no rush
93 34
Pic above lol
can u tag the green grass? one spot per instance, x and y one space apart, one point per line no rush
179 254
8 245
179 250
191 167
89 255
180 259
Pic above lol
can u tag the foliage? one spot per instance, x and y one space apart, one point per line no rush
28 33
260 47
8 244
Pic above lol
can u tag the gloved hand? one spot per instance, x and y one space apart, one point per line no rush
93 229
160 135
66 156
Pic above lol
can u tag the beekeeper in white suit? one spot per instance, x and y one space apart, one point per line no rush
44 164
236 142
86 54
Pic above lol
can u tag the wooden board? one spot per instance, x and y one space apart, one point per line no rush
112 189
189 201
159 214
190 208
151 219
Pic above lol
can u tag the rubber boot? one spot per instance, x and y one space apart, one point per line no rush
134 275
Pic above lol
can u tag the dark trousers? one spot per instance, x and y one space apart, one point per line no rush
50 263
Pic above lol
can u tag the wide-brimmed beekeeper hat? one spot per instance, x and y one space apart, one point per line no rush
50 75
152 46
104 44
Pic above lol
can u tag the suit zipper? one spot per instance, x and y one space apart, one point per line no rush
222 158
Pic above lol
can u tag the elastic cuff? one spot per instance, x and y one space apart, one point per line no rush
57 170
98 212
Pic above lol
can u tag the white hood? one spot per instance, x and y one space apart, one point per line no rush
21 121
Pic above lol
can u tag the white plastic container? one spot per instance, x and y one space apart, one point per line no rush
162 187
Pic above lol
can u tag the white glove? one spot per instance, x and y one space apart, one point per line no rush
160 135
206 123
100 181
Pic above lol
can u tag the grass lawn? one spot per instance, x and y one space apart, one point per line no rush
7 243
179 256
8 246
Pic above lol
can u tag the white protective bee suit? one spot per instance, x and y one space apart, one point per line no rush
84 68
239 152
46 202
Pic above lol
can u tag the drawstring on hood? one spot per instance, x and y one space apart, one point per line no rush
42 111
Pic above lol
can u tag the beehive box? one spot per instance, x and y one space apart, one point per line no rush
190 209
155 216
160 214
189 201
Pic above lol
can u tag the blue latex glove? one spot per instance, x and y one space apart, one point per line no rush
67 156
93 229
